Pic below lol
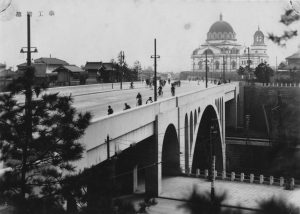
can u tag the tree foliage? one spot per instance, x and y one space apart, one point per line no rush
241 70
201 203
38 139
263 72
289 17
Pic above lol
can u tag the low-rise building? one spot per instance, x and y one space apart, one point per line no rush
70 75
102 71
50 63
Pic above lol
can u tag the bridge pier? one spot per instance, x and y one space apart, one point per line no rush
153 169
231 114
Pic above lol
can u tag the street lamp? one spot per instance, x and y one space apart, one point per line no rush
212 131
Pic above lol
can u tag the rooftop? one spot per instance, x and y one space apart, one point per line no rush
51 61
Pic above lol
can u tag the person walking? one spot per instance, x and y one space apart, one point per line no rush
126 106
139 99
160 92
110 110
149 100
173 90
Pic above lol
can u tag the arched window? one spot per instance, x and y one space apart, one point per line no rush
219 35
217 63
200 65
208 51
215 36
233 65
225 35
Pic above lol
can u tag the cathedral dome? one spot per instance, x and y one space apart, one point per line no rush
221 30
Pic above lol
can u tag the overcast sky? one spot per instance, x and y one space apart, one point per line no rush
97 30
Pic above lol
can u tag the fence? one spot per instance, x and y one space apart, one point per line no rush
251 178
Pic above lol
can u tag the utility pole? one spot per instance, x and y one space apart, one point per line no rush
206 69
155 81
213 164
108 147
249 61
223 68
276 70
28 110
122 61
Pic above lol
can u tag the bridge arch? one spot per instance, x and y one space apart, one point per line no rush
195 119
170 152
191 129
204 143
186 142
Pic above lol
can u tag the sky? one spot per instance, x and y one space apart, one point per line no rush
97 30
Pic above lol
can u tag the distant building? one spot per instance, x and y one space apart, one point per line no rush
69 75
40 69
293 61
51 63
92 69
102 72
223 51
44 65
2 67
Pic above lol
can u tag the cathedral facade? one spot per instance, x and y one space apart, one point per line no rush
224 53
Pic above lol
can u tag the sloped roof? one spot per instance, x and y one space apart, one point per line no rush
294 56
92 65
7 72
108 66
51 61
72 68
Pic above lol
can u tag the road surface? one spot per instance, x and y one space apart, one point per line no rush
97 103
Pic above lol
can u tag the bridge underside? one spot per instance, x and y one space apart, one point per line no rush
208 143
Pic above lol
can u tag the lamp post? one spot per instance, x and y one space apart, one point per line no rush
28 105
155 56
206 69
212 131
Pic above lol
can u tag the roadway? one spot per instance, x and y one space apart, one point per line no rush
96 98
97 103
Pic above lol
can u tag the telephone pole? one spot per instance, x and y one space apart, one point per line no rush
249 62
206 69
122 61
224 68
28 111
155 65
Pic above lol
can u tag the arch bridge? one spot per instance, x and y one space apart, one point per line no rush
170 137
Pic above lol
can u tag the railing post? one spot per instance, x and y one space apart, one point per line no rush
232 178
223 175
206 173
242 177
271 180
251 178
261 179
292 183
281 181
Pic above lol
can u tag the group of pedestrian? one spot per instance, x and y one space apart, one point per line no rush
111 111
139 101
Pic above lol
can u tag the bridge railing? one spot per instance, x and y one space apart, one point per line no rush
289 183
211 91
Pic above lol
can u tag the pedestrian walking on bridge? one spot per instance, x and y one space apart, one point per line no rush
110 110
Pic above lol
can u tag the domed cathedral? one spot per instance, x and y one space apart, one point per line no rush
224 53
